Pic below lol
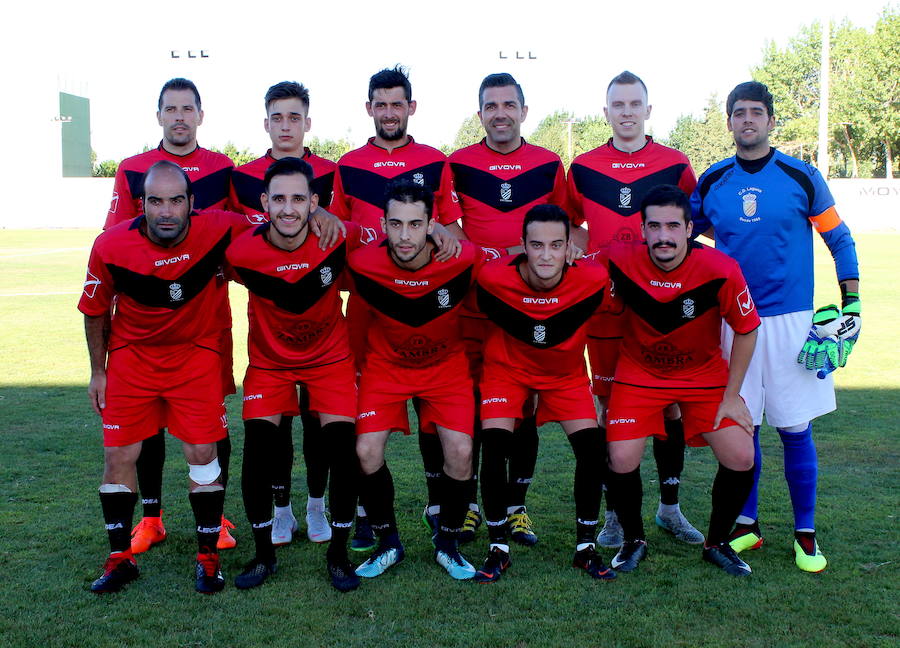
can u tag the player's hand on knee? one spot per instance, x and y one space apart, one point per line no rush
97 391
734 408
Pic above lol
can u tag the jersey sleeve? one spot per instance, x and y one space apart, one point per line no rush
122 205
832 229
560 195
340 202
445 199
699 218
736 303
575 207
688 180
97 296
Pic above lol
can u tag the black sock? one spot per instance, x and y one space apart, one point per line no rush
730 490
626 492
476 461
223 450
281 464
344 485
259 457
522 460
603 469
149 466
433 463
669 455
590 453
118 511
315 455
454 504
207 507
495 444
377 490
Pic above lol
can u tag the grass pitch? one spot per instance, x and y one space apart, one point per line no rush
52 541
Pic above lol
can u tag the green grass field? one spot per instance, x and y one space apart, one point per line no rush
52 541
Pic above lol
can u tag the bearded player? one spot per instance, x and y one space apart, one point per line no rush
606 187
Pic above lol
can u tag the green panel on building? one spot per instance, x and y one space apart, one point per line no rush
76 135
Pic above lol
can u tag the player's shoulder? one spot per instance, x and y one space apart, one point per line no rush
712 258
355 156
320 165
141 161
219 159
468 153
425 150
255 167
538 154
590 270
783 160
496 270
667 152
595 155
364 257
621 251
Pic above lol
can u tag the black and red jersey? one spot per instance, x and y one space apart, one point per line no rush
363 174
294 309
606 187
210 175
496 190
673 318
539 333
247 182
162 295
416 311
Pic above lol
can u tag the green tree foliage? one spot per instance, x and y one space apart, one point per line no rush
238 157
704 140
470 132
864 115
105 169
328 148
586 133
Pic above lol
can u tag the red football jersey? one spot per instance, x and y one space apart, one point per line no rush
416 311
247 181
539 333
294 309
362 175
607 186
496 190
162 295
674 319
210 175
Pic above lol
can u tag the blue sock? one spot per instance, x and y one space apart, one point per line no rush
801 472
751 506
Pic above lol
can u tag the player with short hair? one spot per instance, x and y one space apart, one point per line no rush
179 113
156 357
287 122
359 190
762 206
676 295
540 308
297 336
606 187
414 350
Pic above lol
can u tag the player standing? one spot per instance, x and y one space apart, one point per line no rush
297 336
540 308
677 294
179 113
287 122
157 357
606 187
763 206
414 350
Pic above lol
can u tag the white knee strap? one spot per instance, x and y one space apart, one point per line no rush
205 474
114 488
795 429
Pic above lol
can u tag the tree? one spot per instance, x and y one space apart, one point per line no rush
328 148
238 157
470 132
105 169
586 133
705 140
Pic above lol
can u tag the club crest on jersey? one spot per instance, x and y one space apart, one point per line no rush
687 308
443 297
540 333
625 197
505 192
750 204
326 276
419 179
176 294
90 284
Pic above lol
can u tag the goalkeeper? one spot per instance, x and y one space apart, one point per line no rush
762 205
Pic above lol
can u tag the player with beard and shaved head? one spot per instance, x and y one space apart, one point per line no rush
606 187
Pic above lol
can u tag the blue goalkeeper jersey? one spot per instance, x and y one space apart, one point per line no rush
765 220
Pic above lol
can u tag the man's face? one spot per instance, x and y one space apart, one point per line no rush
545 249
407 227
167 206
666 234
286 124
750 123
288 203
179 117
390 110
627 110
502 114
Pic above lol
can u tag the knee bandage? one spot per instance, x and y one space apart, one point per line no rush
205 474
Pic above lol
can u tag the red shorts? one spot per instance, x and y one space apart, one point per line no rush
359 319
474 332
603 353
637 412
445 394
331 389
180 384
560 398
